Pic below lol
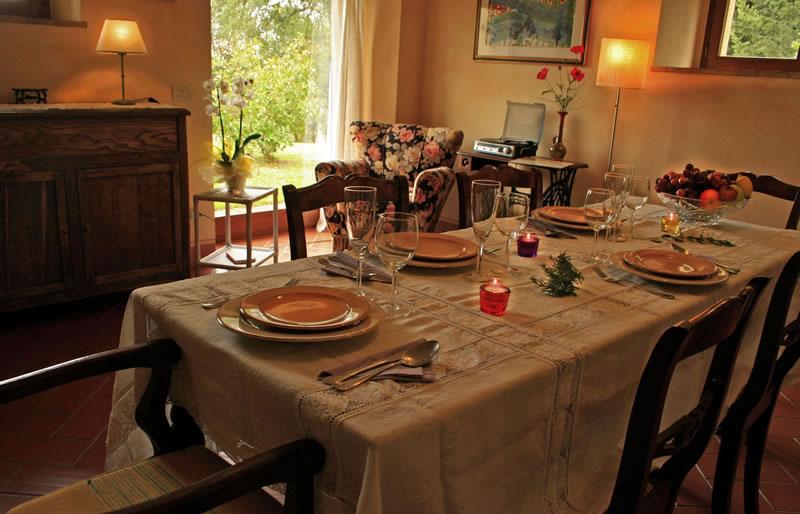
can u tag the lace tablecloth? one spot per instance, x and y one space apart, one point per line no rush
528 410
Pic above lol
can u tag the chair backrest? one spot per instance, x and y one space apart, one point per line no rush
719 327
769 185
506 175
327 193
403 149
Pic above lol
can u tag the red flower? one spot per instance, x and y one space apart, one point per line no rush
577 49
542 74
576 74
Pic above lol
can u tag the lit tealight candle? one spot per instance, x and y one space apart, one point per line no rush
494 297
527 245
671 223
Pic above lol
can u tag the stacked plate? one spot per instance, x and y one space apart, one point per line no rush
300 314
443 251
670 267
567 217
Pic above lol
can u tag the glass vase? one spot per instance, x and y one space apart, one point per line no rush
558 150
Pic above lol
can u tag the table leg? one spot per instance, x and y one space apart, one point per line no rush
249 221
560 190
275 226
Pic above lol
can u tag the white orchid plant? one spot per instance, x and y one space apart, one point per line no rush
232 97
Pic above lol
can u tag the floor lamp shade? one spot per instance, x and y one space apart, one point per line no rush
623 63
121 37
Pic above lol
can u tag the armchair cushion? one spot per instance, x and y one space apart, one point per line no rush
424 155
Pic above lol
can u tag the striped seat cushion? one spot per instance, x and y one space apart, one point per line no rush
143 481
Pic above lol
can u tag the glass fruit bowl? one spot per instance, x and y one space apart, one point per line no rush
700 212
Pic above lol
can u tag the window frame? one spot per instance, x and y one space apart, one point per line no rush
711 60
36 9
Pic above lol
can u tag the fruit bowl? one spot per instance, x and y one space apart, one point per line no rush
698 211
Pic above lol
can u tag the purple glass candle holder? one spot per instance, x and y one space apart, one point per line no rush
527 245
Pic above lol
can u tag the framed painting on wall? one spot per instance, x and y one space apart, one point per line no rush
531 30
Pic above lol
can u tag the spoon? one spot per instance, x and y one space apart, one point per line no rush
418 355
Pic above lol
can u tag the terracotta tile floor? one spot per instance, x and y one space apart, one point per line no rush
57 437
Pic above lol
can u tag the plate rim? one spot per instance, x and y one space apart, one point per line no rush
618 260
561 224
352 300
368 324
561 220
472 248
689 276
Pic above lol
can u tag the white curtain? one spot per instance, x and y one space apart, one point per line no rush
346 74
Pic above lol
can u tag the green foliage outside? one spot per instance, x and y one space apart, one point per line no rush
765 28
283 46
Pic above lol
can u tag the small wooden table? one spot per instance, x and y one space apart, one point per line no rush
254 256
562 173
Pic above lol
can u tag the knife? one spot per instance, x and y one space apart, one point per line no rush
378 277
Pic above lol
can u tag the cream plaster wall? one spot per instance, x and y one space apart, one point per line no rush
177 34
728 123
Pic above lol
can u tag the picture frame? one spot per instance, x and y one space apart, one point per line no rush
531 30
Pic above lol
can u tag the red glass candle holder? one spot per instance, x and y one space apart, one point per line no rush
527 245
494 297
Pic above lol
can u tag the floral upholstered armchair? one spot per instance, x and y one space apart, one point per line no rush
424 155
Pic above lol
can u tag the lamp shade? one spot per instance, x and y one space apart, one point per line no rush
623 63
121 37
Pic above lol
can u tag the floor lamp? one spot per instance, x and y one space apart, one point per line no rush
623 64
121 37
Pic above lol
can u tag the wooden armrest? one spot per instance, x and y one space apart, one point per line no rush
159 353
295 462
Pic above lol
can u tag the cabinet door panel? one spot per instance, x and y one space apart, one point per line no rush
129 217
34 255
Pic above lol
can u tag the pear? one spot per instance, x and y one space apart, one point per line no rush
739 192
746 184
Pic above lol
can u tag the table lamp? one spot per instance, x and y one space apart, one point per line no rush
121 37
623 64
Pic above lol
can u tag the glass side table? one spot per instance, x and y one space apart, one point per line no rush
250 256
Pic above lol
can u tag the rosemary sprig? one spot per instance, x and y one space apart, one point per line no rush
561 277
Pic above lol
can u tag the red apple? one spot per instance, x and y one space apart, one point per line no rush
727 194
709 199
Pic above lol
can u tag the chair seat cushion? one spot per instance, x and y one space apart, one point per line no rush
143 481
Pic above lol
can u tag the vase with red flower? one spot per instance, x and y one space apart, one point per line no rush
565 93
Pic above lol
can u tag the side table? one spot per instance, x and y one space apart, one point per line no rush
254 256
562 173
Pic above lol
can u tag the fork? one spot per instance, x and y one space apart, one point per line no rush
601 274
680 249
219 301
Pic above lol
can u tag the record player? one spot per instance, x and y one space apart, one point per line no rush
521 134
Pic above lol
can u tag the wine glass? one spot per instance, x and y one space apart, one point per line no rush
598 210
483 210
360 211
638 193
513 210
396 240
618 183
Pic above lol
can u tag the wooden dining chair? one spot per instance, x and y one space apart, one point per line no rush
769 185
327 193
180 477
747 420
639 487
508 176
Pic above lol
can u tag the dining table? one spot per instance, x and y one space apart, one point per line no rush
526 412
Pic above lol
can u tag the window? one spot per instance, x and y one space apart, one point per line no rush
25 8
753 35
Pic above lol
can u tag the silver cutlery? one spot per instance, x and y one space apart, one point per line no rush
600 273
219 301
394 357
680 249
352 267
350 271
550 230
418 355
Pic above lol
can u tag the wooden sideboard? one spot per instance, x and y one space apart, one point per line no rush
93 200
